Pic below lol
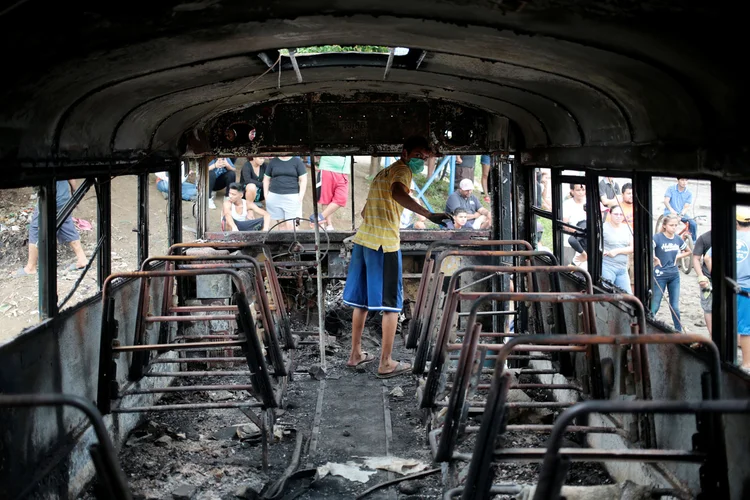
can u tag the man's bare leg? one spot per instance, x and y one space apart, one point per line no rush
708 317
358 326
33 259
744 346
485 178
328 211
390 323
81 259
251 191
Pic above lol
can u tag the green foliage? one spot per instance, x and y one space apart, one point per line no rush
322 49
547 235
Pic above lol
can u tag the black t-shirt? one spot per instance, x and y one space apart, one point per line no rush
248 175
285 175
702 246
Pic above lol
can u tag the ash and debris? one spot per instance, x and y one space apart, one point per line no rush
217 454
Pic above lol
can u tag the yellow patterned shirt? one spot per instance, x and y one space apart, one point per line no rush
382 213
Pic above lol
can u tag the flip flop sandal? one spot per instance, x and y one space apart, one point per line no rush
73 267
400 369
367 359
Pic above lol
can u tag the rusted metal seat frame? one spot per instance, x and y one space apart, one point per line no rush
441 343
245 261
433 293
555 466
479 474
270 267
427 272
103 453
109 345
457 412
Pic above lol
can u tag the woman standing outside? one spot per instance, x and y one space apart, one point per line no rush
618 244
284 186
668 248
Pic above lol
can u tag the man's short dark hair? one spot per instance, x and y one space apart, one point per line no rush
460 210
743 224
416 141
573 186
236 186
627 186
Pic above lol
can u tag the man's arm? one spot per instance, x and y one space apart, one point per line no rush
73 185
698 251
228 215
400 193
669 207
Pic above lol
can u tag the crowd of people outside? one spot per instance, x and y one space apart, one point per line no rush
262 192
675 226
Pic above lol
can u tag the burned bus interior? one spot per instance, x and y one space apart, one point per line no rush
151 348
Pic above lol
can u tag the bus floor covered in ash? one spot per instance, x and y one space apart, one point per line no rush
217 454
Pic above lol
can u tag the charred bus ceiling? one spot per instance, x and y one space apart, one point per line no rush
99 90
364 123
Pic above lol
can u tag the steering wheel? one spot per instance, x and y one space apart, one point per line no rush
295 248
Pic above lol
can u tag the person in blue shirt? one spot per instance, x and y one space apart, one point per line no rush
677 200
668 249
743 280
221 173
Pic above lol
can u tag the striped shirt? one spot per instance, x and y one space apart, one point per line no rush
382 213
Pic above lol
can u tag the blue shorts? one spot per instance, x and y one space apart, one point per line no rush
65 234
743 314
485 160
374 280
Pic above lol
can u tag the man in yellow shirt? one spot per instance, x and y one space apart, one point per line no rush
373 282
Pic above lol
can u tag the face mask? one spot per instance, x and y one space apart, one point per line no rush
416 165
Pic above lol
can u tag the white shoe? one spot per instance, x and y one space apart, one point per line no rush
211 204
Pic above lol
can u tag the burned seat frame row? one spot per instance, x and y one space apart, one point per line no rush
248 341
712 453
429 285
441 347
432 294
555 459
469 367
269 265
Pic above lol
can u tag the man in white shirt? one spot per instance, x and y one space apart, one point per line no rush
573 212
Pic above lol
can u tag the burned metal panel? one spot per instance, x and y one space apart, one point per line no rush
61 355
365 123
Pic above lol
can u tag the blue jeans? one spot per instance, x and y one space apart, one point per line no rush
189 191
617 275
670 284
693 227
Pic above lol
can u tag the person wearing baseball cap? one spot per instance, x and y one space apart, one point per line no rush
743 280
478 216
